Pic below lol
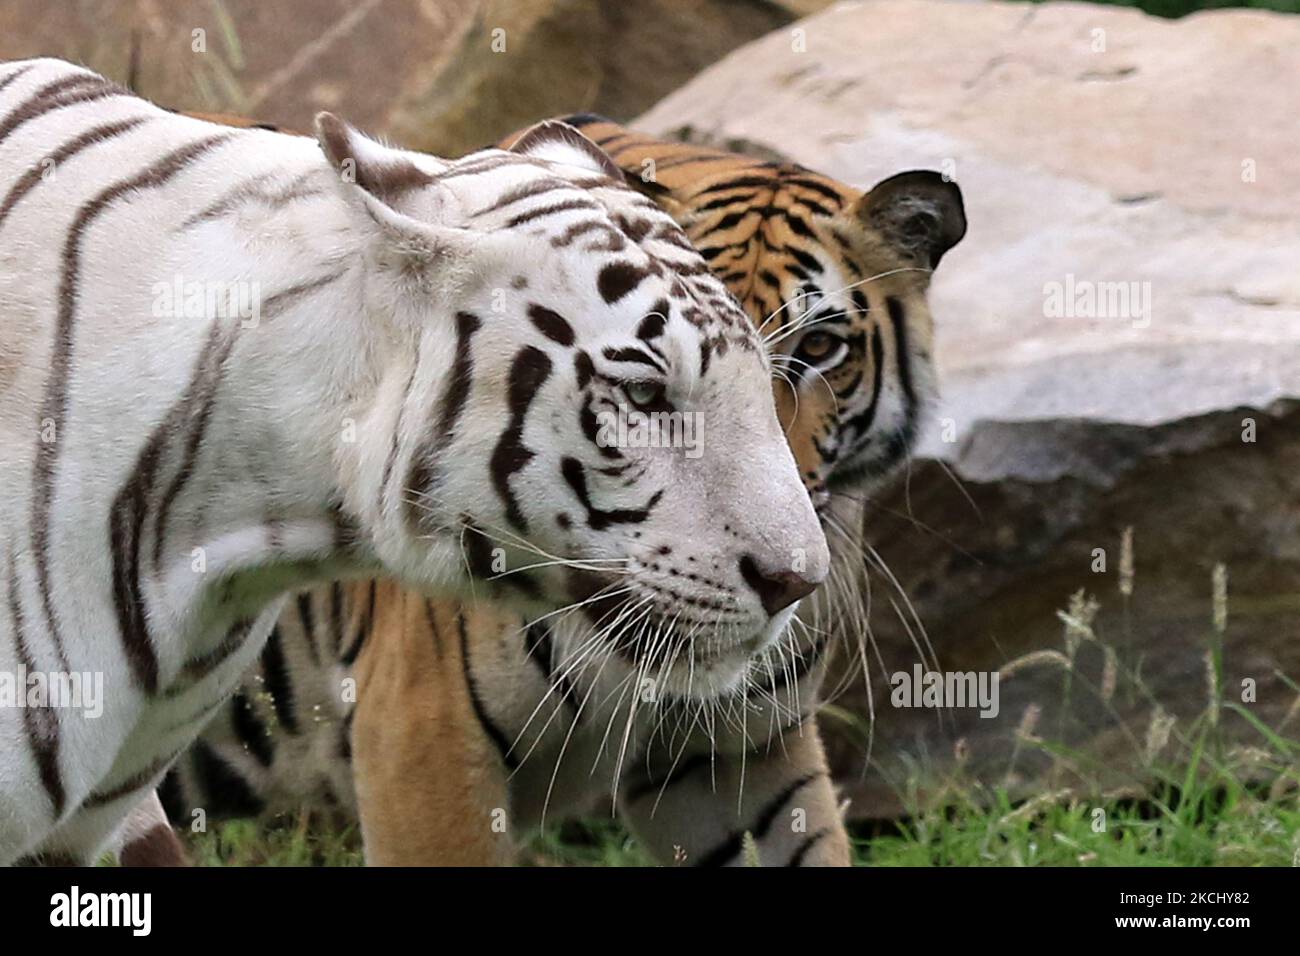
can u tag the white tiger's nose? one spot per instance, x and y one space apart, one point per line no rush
777 590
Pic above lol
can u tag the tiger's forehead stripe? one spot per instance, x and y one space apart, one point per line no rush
634 238
750 219
684 170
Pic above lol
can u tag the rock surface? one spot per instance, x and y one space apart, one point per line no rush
1116 166
1094 145
277 62
521 60
990 548
446 76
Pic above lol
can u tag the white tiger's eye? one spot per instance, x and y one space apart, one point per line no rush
642 394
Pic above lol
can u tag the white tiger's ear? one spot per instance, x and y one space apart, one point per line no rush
410 224
558 142
392 188
382 173
415 219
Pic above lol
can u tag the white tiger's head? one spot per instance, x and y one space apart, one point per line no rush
575 413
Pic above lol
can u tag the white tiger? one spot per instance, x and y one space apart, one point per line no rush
409 388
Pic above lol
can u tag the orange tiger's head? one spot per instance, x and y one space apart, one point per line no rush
834 278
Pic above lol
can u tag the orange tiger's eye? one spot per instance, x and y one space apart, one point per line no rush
817 345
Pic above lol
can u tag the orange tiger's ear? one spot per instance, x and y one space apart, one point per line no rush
559 142
918 212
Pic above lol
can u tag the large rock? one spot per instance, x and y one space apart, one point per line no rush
277 62
446 76
990 548
1094 145
523 60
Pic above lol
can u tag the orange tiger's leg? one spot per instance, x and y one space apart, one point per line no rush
431 787
779 792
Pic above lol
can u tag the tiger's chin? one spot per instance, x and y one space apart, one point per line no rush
716 667
672 657
707 677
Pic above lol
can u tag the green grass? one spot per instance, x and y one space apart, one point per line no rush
585 843
1198 796
1172 9
306 841
301 840
1211 827
1224 826
1201 812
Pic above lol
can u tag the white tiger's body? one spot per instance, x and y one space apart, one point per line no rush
151 363
166 478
